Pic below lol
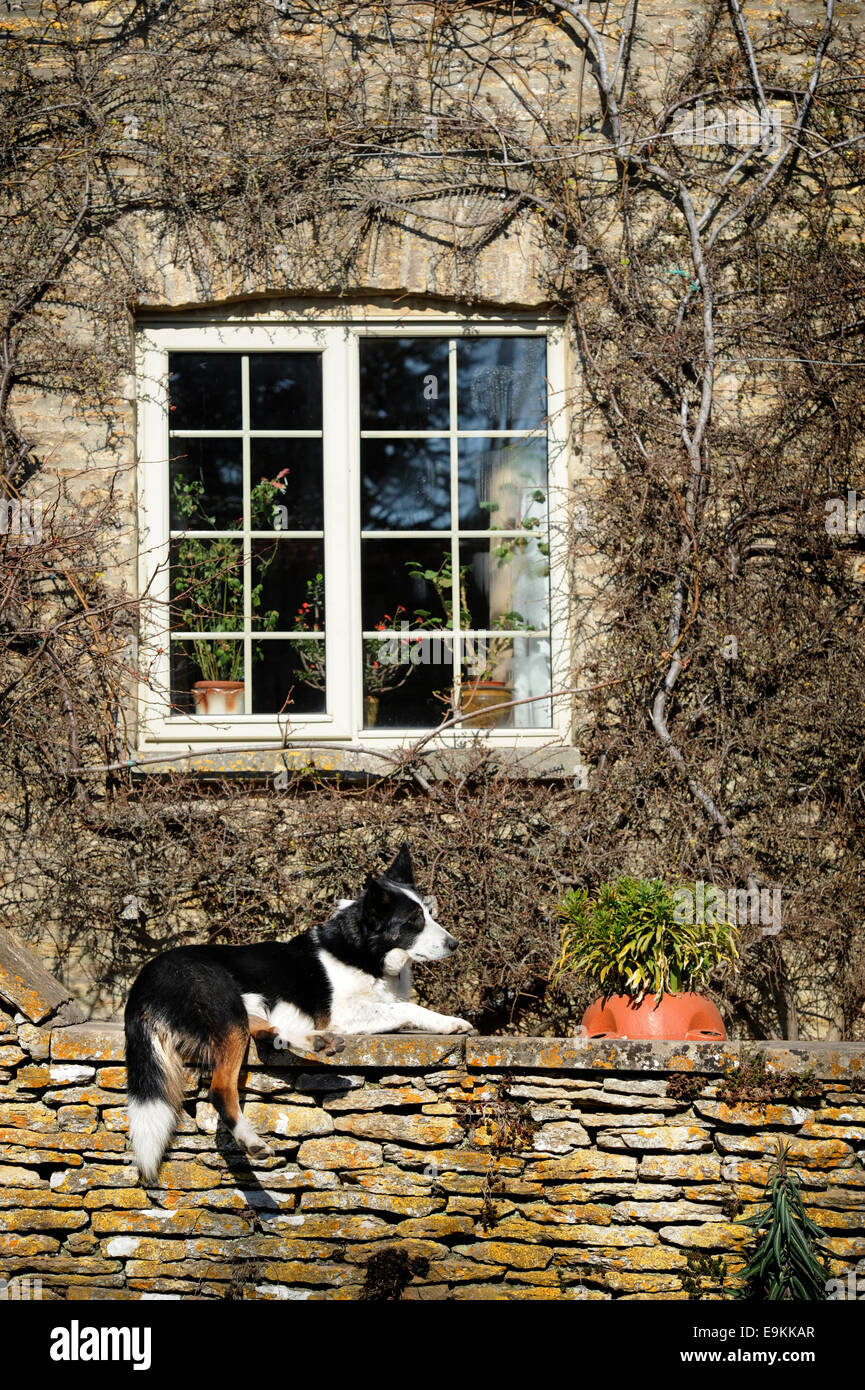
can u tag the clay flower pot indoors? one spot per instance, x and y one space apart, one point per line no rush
218 697
684 1017
480 696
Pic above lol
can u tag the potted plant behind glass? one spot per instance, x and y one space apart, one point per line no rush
648 963
481 692
383 670
207 584
387 664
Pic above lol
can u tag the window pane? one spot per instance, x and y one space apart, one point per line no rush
288 585
207 585
395 589
285 390
405 484
294 502
506 583
503 484
404 384
204 391
191 662
206 484
407 682
288 677
501 383
497 670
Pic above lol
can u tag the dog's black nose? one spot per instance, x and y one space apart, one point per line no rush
453 943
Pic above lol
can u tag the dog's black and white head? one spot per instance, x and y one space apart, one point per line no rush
390 926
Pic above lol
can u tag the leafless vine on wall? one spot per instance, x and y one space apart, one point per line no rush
692 187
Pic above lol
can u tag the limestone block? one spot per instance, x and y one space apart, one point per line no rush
338 1152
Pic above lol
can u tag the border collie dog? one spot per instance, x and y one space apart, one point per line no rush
203 1003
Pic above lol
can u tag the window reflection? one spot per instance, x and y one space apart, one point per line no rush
285 391
502 484
406 484
404 384
204 391
501 383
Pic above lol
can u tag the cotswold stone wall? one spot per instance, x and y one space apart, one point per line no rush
489 1168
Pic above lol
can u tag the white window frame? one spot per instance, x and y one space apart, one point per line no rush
337 338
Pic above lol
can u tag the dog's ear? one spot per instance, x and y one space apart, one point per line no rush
377 899
401 870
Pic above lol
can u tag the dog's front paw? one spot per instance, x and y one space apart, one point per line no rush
328 1043
459 1025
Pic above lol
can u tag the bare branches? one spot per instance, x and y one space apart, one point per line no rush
792 144
714 286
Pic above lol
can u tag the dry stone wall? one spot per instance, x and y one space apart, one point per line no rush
473 1168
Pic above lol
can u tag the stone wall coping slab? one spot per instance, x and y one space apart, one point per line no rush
103 1042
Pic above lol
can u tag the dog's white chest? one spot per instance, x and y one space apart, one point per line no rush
356 998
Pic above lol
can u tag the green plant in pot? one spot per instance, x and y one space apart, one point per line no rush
207 585
629 939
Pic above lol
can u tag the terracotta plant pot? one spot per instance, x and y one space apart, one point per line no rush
682 1017
479 695
218 697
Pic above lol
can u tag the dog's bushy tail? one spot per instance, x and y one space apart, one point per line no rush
182 1005
155 1085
